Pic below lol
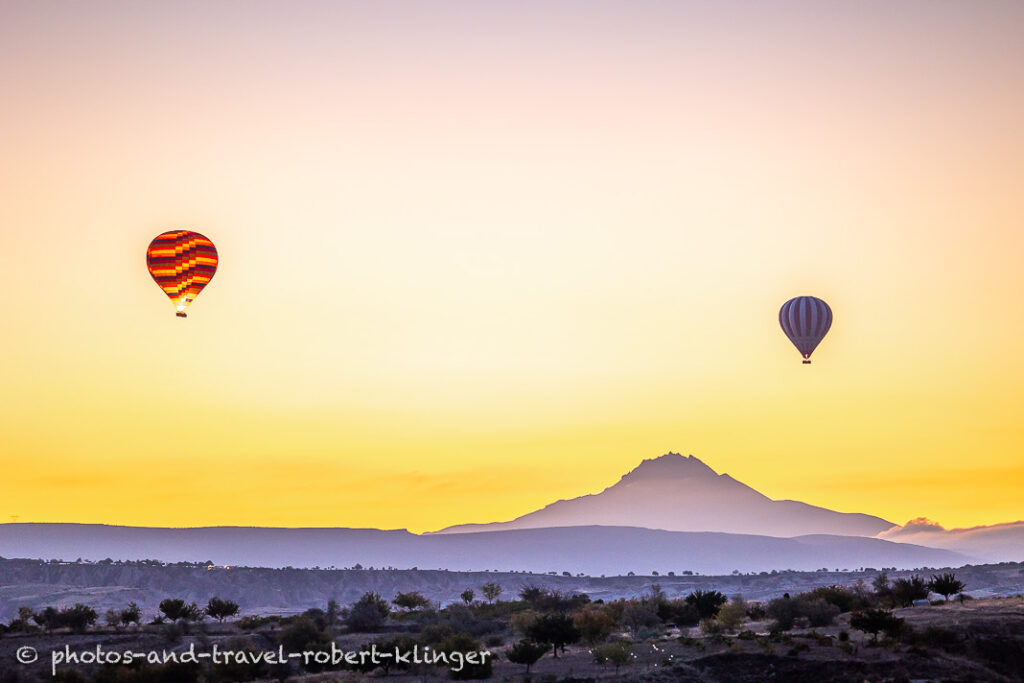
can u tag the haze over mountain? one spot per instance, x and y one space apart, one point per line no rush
592 550
996 543
671 513
679 493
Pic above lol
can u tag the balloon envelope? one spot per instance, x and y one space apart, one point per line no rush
805 320
182 262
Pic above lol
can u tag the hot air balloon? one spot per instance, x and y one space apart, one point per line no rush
805 320
182 262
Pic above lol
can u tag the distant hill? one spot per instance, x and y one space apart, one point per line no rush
592 550
678 493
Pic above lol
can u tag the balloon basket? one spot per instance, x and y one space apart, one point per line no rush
807 362
181 314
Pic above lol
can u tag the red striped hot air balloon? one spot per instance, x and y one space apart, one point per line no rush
805 320
182 262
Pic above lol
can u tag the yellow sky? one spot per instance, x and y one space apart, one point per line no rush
476 257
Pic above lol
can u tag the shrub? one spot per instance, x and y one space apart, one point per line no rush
594 624
843 598
638 615
412 600
731 616
556 630
618 653
302 635
818 612
783 612
875 621
526 652
679 613
367 613
906 591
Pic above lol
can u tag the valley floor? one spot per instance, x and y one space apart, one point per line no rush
981 640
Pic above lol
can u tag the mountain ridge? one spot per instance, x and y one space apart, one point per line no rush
682 493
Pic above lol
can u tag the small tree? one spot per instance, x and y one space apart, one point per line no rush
367 613
946 585
731 615
618 653
49 618
875 621
221 609
594 624
706 602
467 596
302 635
412 600
491 591
905 591
173 608
638 615
78 618
526 652
21 622
193 612
555 629
131 614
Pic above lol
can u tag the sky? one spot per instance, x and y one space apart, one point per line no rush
478 257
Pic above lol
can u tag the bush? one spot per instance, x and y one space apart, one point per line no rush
711 627
875 621
412 600
618 653
843 598
731 616
906 591
783 612
556 630
638 615
303 636
818 612
679 613
367 613
526 652
594 624
78 618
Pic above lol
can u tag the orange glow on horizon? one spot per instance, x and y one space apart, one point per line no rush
477 258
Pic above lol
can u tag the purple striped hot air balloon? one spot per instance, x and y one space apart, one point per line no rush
805 320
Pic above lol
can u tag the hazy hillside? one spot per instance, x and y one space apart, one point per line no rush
678 493
284 591
592 550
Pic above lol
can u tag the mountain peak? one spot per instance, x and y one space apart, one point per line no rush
669 466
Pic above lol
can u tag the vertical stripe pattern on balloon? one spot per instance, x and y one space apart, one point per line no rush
805 320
